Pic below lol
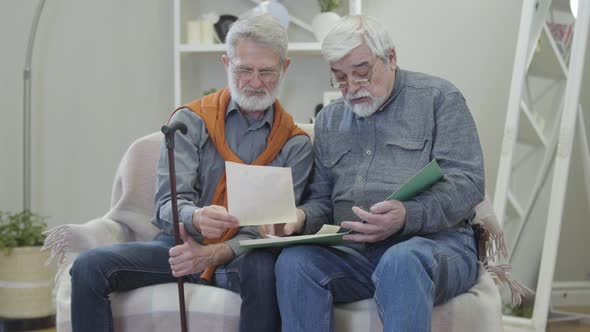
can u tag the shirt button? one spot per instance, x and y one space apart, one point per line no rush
368 151
370 122
360 178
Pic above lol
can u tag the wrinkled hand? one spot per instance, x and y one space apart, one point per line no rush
384 219
284 229
212 220
190 257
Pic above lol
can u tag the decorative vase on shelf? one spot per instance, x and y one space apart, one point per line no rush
324 21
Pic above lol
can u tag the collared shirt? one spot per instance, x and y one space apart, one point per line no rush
199 167
361 161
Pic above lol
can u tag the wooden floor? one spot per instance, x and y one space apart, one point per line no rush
570 326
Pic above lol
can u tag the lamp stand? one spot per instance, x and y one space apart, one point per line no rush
27 76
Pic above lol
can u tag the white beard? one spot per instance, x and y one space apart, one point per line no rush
364 109
253 103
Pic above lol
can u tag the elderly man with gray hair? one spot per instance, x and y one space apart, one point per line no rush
241 123
390 123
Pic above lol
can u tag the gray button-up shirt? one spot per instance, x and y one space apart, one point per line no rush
361 161
199 167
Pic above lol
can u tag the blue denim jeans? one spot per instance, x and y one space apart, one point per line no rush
122 267
406 277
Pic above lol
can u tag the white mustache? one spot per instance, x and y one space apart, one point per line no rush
358 94
259 90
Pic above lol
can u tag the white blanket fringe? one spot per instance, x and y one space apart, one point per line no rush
501 275
491 247
56 241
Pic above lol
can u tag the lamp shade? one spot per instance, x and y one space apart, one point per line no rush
274 8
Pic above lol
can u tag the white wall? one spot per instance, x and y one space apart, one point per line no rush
103 76
470 43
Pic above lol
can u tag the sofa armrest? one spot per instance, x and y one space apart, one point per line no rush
67 241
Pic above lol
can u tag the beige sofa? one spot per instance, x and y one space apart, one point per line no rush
155 308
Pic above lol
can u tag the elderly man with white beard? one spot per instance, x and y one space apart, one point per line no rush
242 123
408 256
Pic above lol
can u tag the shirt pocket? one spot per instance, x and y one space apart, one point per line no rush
339 164
406 156
409 144
336 155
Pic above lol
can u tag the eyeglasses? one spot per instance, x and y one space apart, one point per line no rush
362 82
266 76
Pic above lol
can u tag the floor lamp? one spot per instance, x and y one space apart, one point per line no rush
27 76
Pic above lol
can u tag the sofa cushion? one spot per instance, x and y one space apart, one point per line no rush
155 308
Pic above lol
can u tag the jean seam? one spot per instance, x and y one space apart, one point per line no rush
339 275
375 280
379 308
454 258
328 312
450 259
106 304
110 273
233 270
130 268
431 294
106 320
330 298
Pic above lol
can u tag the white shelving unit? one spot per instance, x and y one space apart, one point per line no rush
538 137
197 67
532 123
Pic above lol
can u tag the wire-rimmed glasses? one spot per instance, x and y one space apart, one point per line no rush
245 74
361 82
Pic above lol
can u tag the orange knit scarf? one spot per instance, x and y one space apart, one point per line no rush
212 109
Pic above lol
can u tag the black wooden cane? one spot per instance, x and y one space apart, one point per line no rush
169 134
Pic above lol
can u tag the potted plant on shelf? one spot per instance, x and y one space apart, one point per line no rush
324 21
25 280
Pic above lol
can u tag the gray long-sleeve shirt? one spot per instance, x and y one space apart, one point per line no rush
199 167
361 161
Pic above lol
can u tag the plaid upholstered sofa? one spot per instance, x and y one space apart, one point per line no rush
155 308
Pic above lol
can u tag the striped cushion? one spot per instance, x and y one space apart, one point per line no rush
155 308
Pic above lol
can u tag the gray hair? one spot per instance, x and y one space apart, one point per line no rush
351 32
264 30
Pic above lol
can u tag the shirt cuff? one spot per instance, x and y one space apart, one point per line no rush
414 218
245 233
186 217
312 224
234 244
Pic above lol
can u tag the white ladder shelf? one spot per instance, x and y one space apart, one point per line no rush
538 137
